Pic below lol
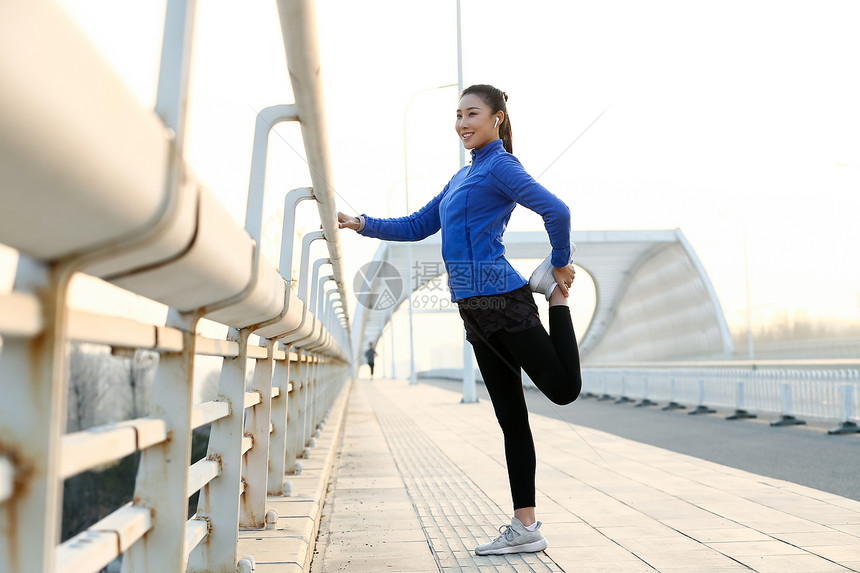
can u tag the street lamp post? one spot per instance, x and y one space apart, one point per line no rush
468 372
412 377
460 84
470 394
388 196
391 340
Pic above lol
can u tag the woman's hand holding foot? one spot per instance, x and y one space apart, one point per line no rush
564 278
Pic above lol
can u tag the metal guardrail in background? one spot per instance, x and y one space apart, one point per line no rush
827 390
91 183
790 392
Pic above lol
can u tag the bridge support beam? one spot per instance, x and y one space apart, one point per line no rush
162 477
252 513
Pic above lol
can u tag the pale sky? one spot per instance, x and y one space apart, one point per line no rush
721 114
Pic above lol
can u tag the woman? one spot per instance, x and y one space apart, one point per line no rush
495 302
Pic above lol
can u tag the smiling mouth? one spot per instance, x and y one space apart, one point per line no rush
467 135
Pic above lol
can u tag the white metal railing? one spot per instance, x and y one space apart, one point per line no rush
792 393
91 183
7 477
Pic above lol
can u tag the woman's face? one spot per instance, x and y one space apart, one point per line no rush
474 124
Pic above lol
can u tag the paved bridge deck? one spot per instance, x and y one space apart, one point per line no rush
418 480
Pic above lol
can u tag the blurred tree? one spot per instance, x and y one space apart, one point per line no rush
103 388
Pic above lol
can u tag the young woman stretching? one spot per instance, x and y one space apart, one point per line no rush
495 302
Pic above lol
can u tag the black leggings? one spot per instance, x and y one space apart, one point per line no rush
552 362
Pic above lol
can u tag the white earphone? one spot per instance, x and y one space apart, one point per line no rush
495 125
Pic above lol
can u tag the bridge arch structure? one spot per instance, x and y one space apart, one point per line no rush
654 299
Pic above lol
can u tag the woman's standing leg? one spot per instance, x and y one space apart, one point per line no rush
504 383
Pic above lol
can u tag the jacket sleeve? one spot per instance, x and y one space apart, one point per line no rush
522 188
414 227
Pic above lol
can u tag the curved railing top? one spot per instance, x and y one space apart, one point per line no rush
94 181
298 25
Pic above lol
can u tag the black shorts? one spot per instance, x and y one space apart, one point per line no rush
513 311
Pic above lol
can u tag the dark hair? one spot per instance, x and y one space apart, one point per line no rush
497 100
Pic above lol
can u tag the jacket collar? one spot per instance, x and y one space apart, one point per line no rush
493 147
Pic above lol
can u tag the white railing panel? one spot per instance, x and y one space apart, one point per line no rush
195 532
87 552
212 347
252 399
94 548
201 473
7 478
208 412
813 393
20 314
111 331
854 381
168 339
129 522
259 352
86 450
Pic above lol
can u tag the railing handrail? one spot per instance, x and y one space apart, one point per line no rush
299 30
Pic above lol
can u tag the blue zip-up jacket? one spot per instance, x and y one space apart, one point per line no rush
473 211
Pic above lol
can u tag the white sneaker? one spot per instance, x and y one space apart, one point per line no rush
514 538
542 279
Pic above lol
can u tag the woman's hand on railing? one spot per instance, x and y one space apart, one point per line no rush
347 221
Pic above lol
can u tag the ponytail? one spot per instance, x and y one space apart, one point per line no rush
506 135
497 100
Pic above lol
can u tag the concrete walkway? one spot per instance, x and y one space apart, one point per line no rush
419 480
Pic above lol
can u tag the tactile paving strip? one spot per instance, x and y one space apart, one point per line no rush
455 513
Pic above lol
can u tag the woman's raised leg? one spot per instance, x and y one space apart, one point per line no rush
550 359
